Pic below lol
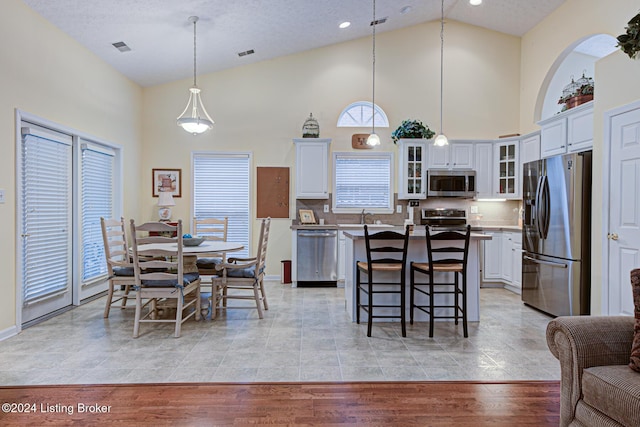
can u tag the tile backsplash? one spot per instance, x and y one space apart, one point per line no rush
488 212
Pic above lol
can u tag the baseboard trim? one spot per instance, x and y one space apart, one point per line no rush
8 333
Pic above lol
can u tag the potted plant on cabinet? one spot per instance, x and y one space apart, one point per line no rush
412 129
577 92
629 42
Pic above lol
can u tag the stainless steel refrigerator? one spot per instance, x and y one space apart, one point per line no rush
556 234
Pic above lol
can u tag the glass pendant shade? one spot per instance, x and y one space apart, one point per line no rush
194 118
440 140
373 140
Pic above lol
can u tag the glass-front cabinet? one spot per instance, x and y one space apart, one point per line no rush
412 170
507 178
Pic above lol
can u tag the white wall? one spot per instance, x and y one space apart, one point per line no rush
46 73
261 107
617 83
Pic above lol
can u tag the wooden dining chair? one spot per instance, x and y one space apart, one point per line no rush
211 229
243 278
120 277
160 276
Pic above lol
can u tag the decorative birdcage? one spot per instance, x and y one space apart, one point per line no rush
577 92
310 128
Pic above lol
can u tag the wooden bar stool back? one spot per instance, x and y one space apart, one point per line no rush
386 254
450 258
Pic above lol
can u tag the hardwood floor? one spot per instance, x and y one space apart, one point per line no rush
533 403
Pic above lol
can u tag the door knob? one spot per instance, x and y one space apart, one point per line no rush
613 236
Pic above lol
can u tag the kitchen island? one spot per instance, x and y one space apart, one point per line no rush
355 251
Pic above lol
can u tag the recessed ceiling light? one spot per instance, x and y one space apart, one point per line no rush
344 24
405 10
475 2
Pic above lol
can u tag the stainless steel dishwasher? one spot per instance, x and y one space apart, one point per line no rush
317 257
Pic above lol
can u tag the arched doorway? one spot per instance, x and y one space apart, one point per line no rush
578 58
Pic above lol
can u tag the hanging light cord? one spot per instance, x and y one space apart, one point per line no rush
194 50
441 62
373 98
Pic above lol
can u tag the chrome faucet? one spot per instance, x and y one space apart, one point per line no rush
362 215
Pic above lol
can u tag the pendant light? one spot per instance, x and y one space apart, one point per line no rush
441 140
194 118
373 139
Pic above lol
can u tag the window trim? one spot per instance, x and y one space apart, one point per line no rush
382 154
384 120
249 155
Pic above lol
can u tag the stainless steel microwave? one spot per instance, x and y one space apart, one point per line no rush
451 183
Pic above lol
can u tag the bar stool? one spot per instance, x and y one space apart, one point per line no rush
386 254
452 258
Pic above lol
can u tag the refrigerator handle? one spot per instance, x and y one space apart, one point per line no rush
546 206
537 216
551 263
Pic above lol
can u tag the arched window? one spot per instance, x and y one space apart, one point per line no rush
359 114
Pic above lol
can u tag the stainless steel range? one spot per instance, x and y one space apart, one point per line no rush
441 218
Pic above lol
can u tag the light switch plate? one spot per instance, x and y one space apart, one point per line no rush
398 208
326 208
474 209
1 195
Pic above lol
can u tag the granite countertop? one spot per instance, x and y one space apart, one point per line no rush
478 227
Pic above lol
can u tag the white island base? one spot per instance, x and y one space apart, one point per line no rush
355 251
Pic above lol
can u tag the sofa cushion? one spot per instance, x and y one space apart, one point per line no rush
613 390
635 347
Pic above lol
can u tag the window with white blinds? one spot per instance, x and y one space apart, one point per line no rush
362 181
97 200
221 188
46 209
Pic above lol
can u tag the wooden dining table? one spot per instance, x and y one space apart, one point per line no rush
190 254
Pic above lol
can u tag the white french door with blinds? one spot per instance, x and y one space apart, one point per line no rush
46 226
66 183
221 188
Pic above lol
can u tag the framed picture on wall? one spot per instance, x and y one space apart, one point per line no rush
167 180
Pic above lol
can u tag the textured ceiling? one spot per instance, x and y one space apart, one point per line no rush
161 38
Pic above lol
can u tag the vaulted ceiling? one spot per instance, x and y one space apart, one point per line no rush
161 38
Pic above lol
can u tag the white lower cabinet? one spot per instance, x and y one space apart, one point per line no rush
502 259
492 265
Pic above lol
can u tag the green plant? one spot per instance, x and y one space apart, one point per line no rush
412 129
629 42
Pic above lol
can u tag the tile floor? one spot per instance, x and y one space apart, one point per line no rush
305 336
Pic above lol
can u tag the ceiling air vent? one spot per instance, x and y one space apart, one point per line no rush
379 21
246 52
121 46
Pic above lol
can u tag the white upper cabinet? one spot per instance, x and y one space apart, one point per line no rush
580 131
569 131
483 155
506 169
456 155
530 148
312 168
412 160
